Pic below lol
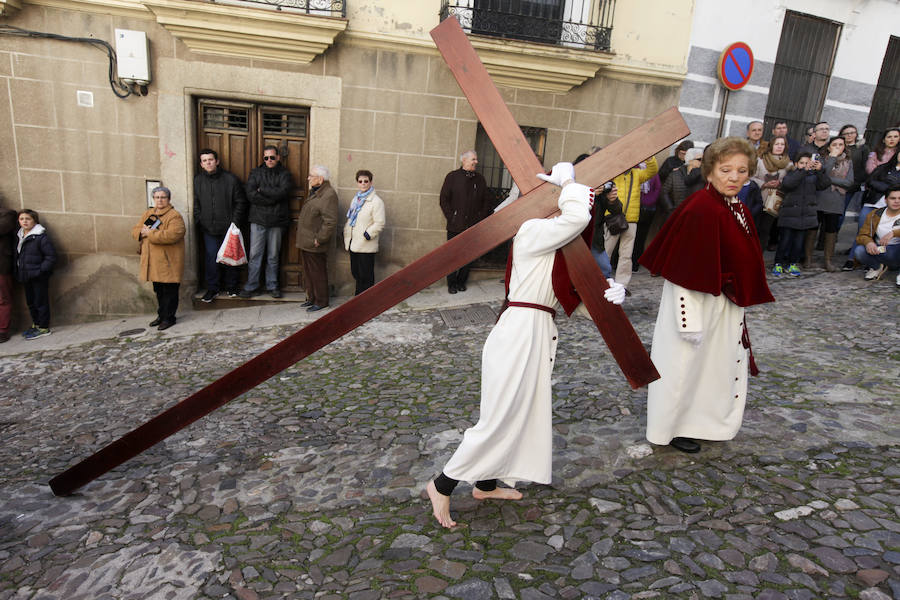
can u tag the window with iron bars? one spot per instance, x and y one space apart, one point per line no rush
585 24
500 182
325 8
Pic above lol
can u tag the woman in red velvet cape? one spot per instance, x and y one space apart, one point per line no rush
709 254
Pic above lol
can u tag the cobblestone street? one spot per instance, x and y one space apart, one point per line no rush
310 486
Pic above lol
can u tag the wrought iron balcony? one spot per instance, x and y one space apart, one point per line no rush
325 8
583 24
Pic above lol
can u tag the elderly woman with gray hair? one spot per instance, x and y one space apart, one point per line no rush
160 232
315 229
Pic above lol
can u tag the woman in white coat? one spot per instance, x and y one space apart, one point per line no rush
365 221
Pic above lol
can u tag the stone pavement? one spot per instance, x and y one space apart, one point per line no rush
310 485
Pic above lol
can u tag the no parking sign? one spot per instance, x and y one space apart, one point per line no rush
735 66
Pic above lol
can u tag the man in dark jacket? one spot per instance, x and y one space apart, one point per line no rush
464 201
219 201
269 191
8 227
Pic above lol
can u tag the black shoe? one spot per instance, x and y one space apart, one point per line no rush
4 337
461 287
451 289
209 296
155 322
314 308
248 293
685 445
848 266
165 325
307 303
635 267
233 293
275 293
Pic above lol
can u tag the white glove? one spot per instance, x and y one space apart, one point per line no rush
693 337
561 173
615 293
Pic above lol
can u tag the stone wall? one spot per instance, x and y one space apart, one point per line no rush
395 111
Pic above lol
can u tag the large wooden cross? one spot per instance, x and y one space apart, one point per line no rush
539 200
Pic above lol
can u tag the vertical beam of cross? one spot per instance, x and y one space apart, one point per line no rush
540 202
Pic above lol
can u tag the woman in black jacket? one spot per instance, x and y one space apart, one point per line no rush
35 257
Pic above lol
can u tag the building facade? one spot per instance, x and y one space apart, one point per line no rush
355 85
831 60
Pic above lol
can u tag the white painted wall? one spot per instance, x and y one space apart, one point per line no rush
868 25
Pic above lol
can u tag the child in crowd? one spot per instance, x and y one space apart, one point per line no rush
35 257
798 212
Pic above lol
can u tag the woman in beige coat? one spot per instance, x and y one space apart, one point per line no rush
161 234
365 220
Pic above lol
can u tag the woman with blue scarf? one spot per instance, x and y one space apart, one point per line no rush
365 220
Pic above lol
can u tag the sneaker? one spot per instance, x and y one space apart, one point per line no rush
778 271
209 296
233 293
794 270
849 265
28 331
37 332
873 274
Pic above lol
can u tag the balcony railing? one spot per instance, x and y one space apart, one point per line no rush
325 8
583 24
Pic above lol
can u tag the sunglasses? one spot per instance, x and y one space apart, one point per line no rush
362 181
267 158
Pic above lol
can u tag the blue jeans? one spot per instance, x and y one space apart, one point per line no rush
265 242
215 271
790 246
602 261
863 213
891 257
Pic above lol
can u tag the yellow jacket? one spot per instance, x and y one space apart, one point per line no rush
628 185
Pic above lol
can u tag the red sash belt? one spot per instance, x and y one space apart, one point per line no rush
535 306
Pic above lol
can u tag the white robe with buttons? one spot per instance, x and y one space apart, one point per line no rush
702 389
513 439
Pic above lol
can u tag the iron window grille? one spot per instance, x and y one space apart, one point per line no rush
585 24
325 8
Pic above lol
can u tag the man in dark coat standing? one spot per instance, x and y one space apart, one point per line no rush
269 191
315 230
219 201
464 201
8 226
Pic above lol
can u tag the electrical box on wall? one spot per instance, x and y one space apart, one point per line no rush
133 56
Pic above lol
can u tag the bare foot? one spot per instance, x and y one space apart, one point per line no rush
497 494
440 505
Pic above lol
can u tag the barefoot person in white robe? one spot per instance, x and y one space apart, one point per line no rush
709 254
512 440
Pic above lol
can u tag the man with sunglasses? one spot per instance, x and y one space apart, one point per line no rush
269 191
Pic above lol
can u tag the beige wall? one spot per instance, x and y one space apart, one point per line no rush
391 108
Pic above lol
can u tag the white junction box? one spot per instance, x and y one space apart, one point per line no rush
133 56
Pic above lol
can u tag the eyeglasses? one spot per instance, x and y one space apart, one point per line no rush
362 181
267 158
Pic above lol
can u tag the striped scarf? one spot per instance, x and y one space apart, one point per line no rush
357 205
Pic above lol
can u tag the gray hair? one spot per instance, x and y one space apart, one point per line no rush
163 189
321 171
463 156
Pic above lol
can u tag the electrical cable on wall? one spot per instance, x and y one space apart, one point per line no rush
120 89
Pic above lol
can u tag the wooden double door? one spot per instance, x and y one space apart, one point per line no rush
238 132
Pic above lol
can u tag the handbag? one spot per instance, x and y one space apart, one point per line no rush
231 252
772 201
616 223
